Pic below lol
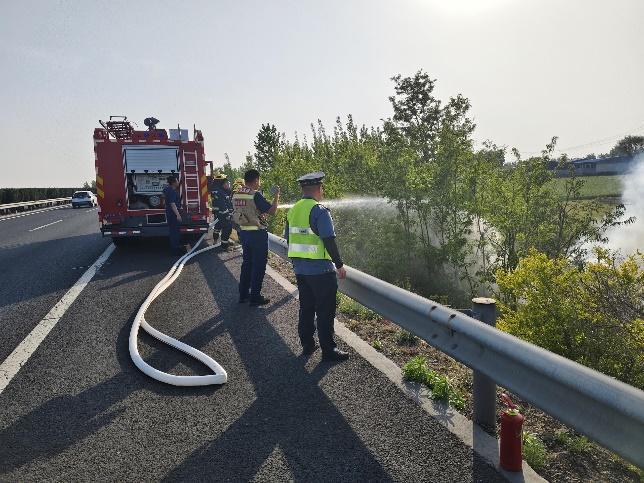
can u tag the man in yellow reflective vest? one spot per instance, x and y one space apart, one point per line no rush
249 214
316 259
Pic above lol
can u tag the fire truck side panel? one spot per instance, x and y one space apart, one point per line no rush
110 182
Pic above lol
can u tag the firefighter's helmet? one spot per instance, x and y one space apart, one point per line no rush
219 176
238 183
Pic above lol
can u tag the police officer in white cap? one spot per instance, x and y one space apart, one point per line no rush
317 265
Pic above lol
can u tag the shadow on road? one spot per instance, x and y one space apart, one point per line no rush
290 411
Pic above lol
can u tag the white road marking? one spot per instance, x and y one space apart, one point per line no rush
21 354
29 213
45 226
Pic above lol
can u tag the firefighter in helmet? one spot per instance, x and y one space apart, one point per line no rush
222 207
238 183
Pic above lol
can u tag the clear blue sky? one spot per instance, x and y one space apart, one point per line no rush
532 69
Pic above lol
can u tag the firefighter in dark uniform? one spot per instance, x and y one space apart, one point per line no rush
222 207
317 265
172 214
249 215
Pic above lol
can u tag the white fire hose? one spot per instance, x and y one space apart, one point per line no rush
219 376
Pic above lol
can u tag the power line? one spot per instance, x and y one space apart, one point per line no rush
593 143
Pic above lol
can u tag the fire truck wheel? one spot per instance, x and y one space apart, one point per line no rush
191 237
119 241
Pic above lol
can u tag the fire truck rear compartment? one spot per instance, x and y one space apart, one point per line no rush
147 169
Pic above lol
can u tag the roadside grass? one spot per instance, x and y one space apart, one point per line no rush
441 386
574 444
534 451
595 186
404 337
351 308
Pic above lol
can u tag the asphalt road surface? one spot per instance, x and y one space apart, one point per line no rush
80 410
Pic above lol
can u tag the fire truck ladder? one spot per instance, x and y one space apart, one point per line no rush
191 182
119 129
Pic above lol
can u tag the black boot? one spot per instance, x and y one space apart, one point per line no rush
308 349
261 300
335 355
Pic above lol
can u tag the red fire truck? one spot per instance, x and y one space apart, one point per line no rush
131 171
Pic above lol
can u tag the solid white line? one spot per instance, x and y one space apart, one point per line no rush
45 226
29 213
21 354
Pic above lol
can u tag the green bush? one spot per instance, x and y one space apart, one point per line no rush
591 313
441 386
534 451
416 370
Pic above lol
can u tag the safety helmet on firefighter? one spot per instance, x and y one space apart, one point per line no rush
219 176
238 183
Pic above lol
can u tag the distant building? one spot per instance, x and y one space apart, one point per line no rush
597 167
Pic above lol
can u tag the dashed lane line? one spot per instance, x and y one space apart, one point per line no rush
45 226
21 354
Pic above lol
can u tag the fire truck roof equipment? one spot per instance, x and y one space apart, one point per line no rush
119 129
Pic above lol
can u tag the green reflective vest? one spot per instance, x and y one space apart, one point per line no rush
302 242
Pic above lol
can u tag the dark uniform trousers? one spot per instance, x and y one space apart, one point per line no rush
225 225
317 298
255 255
174 233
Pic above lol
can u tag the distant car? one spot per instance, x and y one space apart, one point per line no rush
81 198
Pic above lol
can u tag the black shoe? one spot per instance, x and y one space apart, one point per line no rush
335 355
259 301
309 349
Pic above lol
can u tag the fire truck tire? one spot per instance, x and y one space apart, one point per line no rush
219 375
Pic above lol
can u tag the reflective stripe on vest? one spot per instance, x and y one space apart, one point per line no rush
302 241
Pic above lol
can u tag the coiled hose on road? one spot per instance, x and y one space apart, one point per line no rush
219 376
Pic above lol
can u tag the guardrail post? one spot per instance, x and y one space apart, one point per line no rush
484 388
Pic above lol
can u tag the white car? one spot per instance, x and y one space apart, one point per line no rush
80 198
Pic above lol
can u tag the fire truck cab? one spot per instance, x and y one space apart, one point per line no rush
131 171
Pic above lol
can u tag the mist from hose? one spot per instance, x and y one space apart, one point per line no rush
629 238
357 202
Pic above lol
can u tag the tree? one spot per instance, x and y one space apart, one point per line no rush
433 190
266 147
522 210
628 146
91 185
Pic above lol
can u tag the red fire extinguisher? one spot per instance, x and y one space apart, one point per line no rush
511 423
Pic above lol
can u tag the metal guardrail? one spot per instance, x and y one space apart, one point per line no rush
604 409
29 205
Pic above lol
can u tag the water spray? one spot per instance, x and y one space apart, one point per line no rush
358 202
